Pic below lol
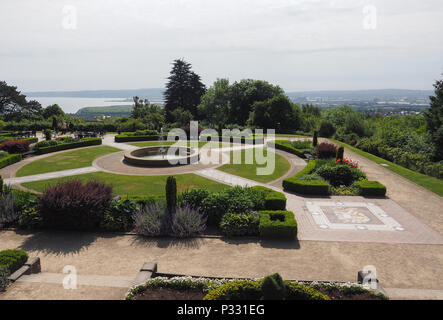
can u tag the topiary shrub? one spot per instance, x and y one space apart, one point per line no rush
15 146
72 205
326 151
273 287
315 139
340 153
48 134
371 188
171 195
13 259
273 200
277 224
238 224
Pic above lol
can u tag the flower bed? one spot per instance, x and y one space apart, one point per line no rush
271 287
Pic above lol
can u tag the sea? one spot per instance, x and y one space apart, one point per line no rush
72 105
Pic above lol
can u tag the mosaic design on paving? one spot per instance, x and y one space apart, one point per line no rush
351 216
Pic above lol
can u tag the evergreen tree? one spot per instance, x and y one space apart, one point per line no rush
183 90
13 104
434 118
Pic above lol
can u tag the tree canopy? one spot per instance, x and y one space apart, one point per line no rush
14 106
214 105
434 119
183 90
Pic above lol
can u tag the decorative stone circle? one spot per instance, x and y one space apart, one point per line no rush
162 156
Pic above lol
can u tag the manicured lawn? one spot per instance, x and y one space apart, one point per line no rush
432 184
65 161
249 171
135 185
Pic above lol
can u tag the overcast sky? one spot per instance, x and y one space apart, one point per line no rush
297 44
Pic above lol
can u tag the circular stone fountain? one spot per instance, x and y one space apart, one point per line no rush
162 156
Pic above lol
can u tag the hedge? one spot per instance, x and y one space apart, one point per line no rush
11 159
313 187
277 224
131 138
371 188
72 145
13 259
274 200
286 146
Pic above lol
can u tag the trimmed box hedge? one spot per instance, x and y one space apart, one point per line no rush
284 145
277 224
10 159
371 188
131 138
312 187
274 200
13 259
72 145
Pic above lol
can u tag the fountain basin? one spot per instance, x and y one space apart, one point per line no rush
162 156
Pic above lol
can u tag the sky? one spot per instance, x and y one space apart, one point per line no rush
51 45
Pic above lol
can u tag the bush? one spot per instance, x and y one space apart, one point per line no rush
11 159
313 187
48 134
288 147
30 219
273 200
238 224
119 216
24 200
128 137
236 290
171 195
298 291
273 287
8 214
326 129
326 150
371 188
193 197
339 175
340 153
151 220
16 146
4 281
13 259
214 207
72 205
187 222
277 224
71 145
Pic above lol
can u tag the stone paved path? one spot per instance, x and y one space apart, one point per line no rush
50 175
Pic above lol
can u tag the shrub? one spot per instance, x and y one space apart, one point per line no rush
193 197
236 290
288 147
72 205
8 214
339 175
313 187
48 134
13 259
244 199
273 287
298 291
187 222
315 139
326 129
340 153
127 137
150 220
30 219
119 216
371 188
70 145
16 146
277 224
326 150
214 207
4 281
273 200
23 200
11 159
171 195
238 224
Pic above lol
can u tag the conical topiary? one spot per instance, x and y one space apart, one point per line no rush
315 140
340 153
273 287
171 195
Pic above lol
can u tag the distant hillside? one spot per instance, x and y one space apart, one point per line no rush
112 111
155 94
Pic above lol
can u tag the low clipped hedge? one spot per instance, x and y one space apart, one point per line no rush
132 138
274 200
13 260
71 145
277 224
371 188
10 159
312 187
284 145
251 290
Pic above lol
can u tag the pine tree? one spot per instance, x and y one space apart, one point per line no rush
183 90
434 118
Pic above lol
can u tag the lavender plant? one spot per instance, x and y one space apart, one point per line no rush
150 220
7 212
4 274
187 222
